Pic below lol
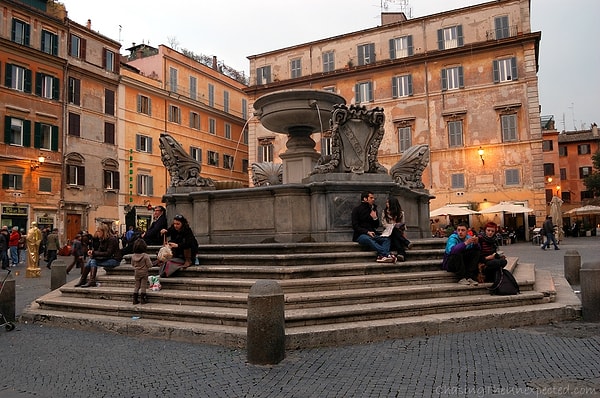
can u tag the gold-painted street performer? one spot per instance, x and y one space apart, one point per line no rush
33 240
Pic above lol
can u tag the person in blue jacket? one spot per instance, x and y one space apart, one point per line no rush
462 255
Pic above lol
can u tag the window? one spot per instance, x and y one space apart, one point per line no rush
145 185
226 101
213 158
502 28
211 95
46 86
212 126
74 90
508 124
74 124
562 150
109 133
328 61
193 87
111 179
244 109
263 75
404 138
17 132
563 174
173 79
20 32
547 145
401 47
143 143
364 92
505 70
194 121
585 172
245 165
196 153
450 37
228 162
109 61
566 197
402 86
109 102
144 104
452 78
75 175
45 136
326 146
174 114
77 47
45 184
366 54
12 181
296 68
583 149
265 152
512 177
18 78
549 195
245 135
457 181
228 131
548 169
587 195
49 43
455 133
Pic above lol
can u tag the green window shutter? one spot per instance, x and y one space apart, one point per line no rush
459 33
54 143
38 83
394 87
55 88
7 121
392 49
513 66
27 85
8 75
496 72
26 133
440 34
37 135
461 77
410 45
444 80
410 85
4 181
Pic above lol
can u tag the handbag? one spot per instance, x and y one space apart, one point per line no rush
170 267
505 284
165 253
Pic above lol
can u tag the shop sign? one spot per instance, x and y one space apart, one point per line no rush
14 210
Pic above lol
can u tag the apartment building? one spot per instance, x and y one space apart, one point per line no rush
163 90
462 81
33 47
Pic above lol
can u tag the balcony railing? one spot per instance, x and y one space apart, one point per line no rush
497 34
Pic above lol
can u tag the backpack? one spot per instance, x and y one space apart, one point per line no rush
505 284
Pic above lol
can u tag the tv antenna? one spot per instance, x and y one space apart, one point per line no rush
402 6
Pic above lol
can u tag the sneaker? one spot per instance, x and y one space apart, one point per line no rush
472 282
390 259
400 258
556 248
381 259
464 281
410 246
543 248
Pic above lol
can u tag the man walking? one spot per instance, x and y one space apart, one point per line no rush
548 229
52 246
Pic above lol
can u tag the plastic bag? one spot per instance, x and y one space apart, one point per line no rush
154 282
164 254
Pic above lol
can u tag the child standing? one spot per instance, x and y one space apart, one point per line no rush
141 263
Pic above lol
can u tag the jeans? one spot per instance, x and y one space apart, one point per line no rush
14 254
378 243
109 263
550 238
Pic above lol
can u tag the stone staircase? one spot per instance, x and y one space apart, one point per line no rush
335 293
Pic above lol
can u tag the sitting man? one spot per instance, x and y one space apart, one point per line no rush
462 256
364 223
489 256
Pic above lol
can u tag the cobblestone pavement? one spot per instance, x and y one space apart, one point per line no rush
560 360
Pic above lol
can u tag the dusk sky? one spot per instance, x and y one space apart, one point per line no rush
233 30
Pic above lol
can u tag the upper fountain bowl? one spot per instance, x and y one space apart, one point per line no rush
288 111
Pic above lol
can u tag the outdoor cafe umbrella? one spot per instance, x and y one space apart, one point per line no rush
507 207
450 210
584 211
556 214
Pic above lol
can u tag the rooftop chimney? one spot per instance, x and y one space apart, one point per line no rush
594 129
215 62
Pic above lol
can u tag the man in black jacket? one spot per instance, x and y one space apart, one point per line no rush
159 221
365 223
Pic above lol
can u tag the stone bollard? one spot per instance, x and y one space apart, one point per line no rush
590 291
265 340
7 297
58 275
572 266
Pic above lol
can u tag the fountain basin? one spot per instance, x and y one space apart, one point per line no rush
290 111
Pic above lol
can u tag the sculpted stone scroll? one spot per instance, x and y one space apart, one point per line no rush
267 173
356 136
183 169
409 169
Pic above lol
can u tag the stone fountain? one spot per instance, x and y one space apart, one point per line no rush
314 201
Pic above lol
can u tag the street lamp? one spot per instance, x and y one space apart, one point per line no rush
35 164
480 152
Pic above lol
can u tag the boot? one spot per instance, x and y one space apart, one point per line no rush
135 298
144 298
83 279
92 281
187 254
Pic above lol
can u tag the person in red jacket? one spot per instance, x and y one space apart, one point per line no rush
13 245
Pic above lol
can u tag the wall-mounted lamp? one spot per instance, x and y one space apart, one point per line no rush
148 204
480 152
35 164
549 179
